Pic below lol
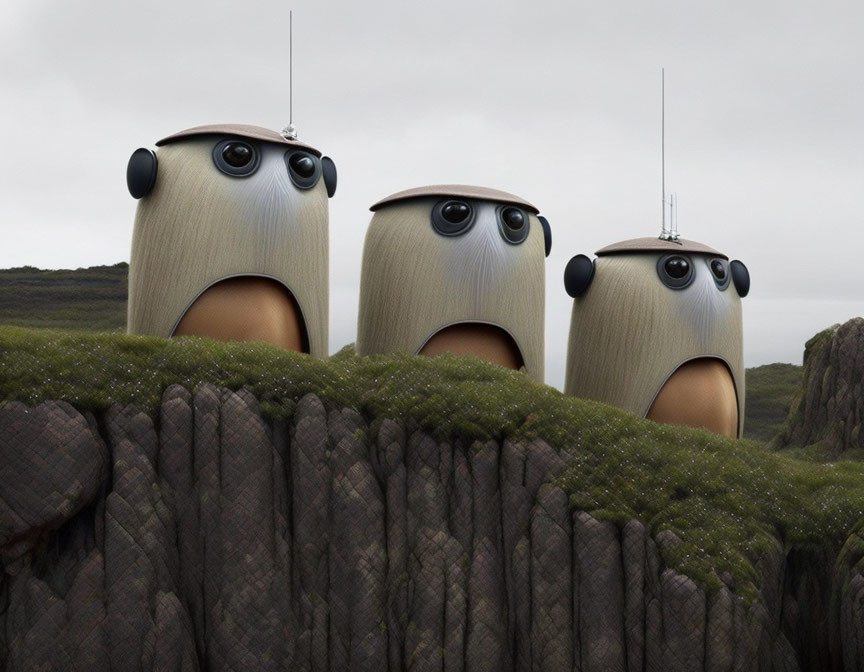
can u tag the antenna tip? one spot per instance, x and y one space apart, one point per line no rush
289 132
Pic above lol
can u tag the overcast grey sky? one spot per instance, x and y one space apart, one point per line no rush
556 102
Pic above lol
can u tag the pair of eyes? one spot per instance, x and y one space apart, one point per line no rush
677 271
455 217
241 159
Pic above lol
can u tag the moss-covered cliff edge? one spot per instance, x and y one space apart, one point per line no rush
395 513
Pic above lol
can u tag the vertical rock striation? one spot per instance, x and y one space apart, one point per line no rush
211 539
830 411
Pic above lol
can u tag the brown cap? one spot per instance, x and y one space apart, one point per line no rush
240 130
465 191
658 245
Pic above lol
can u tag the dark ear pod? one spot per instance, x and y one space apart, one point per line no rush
329 169
547 233
741 278
578 275
141 172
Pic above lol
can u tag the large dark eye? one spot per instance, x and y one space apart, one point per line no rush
237 154
456 212
236 158
303 168
677 267
513 224
675 271
452 218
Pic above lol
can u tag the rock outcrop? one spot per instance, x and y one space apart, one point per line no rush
211 539
830 411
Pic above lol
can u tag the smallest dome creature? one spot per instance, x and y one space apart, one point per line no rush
656 330
459 269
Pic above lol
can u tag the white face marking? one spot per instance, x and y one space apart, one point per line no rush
701 308
480 259
629 332
199 226
417 281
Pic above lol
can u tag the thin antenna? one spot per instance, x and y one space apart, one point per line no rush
663 146
291 67
289 132
670 233
677 211
673 215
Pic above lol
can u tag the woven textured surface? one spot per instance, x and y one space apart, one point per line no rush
211 539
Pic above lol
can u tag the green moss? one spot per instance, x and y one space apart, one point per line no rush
728 501
94 370
816 341
95 299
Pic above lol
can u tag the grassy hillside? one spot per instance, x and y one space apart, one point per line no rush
727 500
86 298
95 299
771 390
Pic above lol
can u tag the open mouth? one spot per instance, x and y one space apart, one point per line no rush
247 308
700 393
486 341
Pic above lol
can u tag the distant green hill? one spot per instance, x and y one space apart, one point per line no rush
87 298
770 392
94 299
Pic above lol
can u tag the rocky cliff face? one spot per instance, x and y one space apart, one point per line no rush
830 411
210 539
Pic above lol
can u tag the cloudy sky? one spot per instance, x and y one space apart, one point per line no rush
556 102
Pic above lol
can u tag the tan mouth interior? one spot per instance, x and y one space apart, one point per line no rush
701 393
485 341
247 308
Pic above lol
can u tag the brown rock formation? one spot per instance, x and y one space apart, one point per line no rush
830 411
211 539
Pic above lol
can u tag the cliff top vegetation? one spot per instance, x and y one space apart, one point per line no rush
94 299
727 501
